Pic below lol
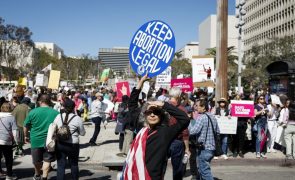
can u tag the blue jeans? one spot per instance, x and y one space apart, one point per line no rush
97 122
176 152
261 124
224 138
64 151
204 158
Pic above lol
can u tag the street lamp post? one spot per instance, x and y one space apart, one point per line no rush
240 12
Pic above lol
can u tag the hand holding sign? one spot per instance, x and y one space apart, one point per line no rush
123 90
152 48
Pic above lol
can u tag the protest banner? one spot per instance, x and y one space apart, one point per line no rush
54 79
152 48
164 79
203 68
242 108
122 89
186 84
227 125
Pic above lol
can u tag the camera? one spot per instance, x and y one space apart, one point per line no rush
200 146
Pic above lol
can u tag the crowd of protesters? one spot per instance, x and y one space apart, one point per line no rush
159 125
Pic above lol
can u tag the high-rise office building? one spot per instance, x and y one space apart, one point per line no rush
266 19
115 58
207 33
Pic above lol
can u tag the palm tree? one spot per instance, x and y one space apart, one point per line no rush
232 65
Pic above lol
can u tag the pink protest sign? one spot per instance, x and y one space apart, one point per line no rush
186 84
242 108
122 89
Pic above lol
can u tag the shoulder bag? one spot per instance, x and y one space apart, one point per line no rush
217 140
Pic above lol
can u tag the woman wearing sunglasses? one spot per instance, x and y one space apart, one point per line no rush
260 127
148 153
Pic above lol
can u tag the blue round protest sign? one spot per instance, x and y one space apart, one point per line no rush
152 48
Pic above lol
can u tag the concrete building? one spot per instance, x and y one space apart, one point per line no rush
266 19
207 33
116 58
51 49
189 50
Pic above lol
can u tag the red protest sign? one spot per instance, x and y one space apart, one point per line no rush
242 108
186 84
122 89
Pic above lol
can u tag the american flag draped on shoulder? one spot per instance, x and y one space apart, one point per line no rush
135 168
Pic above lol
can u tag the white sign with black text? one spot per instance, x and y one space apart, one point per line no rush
227 125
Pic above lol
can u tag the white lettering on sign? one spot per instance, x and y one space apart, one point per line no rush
151 47
241 110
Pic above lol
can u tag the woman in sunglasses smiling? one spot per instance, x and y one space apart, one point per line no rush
148 153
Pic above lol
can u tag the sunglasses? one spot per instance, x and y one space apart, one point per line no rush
155 111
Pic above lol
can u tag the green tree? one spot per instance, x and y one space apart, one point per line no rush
15 45
43 59
276 49
181 66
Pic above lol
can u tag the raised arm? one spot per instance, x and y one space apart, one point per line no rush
181 117
133 101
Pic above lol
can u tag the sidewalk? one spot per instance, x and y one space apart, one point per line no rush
104 155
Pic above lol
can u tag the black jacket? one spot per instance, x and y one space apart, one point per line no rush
160 137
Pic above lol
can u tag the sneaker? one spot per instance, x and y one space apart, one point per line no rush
241 155
105 124
9 178
121 154
263 155
215 157
224 156
92 143
37 177
289 158
235 154
257 155
2 173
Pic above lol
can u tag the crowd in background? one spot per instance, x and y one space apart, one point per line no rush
272 128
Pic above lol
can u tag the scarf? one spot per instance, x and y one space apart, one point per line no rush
135 168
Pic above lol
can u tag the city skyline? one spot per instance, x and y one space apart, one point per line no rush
84 27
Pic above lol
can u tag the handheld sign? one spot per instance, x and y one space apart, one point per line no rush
152 48
186 84
122 89
242 108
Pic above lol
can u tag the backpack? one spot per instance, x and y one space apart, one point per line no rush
63 133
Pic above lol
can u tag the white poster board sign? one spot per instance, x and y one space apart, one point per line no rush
132 83
39 80
276 99
164 79
203 68
227 125
145 89
63 83
31 84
